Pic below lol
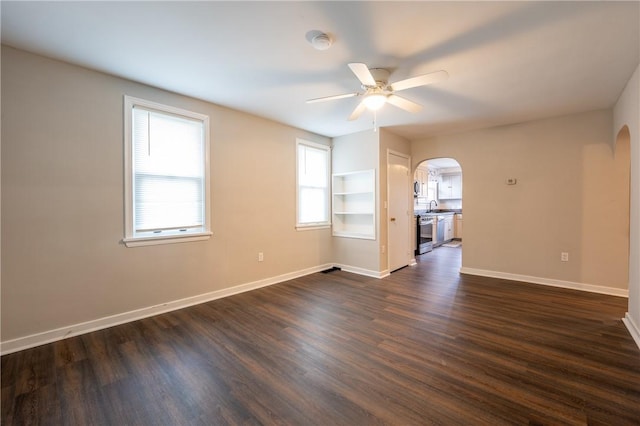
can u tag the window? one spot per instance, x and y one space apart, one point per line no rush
313 172
166 174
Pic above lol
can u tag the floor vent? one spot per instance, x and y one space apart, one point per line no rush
326 271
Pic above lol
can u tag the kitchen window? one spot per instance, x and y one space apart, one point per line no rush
312 181
166 174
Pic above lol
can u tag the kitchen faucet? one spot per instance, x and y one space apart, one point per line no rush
432 201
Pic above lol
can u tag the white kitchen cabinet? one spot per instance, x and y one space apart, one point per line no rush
354 204
450 187
458 227
432 190
421 176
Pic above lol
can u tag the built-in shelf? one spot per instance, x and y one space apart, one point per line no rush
354 204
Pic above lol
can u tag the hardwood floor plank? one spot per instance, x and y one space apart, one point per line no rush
29 370
37 408
424 346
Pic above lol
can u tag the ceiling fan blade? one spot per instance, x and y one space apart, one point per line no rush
403 103
362 72
330 98
421 80
357 112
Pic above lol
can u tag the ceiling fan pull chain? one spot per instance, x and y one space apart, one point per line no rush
375 124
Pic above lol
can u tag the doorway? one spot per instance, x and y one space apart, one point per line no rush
438 197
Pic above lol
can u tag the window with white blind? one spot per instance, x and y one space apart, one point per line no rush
166 174
313 184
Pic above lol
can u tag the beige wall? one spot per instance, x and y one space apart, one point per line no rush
568 191
391 142
626 113
351 153
362 151
62 202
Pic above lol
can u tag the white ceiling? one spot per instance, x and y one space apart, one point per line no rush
443 163
507 61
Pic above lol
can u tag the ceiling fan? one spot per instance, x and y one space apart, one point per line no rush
377 91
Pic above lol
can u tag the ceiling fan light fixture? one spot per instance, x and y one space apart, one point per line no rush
376 90
375 101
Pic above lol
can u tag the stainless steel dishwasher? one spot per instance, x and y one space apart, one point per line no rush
440 224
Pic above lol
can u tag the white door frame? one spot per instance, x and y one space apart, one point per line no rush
410 257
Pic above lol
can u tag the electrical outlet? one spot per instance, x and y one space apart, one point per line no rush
260 257
384 248
564 256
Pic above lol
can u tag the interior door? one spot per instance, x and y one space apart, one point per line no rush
398 192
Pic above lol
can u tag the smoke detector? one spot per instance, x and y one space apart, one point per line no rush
319 40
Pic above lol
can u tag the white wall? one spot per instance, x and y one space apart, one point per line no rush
62 203
567 189
627 113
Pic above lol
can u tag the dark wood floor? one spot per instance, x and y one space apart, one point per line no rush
424 346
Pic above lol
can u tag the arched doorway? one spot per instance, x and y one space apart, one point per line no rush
438 205
622 158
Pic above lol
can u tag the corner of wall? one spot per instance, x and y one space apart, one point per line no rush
626 112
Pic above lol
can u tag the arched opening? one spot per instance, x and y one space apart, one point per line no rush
438 207
622 158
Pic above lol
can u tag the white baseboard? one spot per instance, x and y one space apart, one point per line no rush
547 281
50 336
21 343
365 272
633 328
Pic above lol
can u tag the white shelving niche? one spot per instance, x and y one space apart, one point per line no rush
354 204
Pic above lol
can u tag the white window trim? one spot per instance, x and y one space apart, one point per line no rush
130 240
313 225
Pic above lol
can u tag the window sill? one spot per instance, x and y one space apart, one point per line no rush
312 227
167 239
